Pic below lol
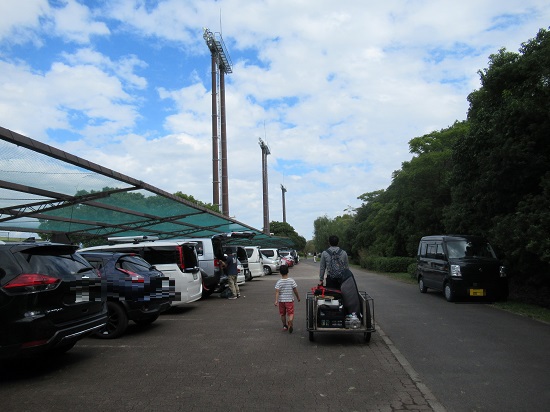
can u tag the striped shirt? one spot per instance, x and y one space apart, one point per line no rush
285 287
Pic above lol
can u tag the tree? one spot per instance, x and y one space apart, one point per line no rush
501 166
190 198
324 227
391 222
283 229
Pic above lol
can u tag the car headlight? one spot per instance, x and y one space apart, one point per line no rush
455 271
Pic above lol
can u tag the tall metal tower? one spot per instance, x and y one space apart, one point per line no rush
283 190
221 64
265 152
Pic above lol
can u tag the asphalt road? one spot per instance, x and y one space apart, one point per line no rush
472 356
226 355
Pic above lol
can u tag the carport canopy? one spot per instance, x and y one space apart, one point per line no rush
66 198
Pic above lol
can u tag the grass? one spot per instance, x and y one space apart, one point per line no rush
531 311
524 309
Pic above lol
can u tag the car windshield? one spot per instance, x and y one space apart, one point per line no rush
44 262
134 263
465 248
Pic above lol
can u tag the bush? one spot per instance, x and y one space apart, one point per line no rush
395 264
411 270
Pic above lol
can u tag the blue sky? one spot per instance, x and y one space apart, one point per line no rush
336 89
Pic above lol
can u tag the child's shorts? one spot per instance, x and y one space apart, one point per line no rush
286 308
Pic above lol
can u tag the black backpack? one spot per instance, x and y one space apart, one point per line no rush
336 266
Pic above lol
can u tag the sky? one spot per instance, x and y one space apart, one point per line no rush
335 88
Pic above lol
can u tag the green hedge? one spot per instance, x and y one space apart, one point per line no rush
411 269
388 264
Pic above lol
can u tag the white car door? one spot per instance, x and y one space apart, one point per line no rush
255 261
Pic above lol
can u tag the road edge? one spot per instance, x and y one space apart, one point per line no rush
428 395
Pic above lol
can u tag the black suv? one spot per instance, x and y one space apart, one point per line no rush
136 290
50 297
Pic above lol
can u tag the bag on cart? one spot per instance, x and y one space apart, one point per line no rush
350 295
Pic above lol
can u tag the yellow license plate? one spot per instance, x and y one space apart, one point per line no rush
477 292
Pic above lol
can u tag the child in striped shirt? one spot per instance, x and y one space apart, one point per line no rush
284 299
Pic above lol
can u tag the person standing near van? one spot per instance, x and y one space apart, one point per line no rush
335 261
232 271
284 299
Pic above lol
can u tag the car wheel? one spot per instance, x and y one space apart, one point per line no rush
267 270
248 276
423 289
448 291
116 323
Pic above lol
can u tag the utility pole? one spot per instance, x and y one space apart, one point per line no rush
265 152
283 190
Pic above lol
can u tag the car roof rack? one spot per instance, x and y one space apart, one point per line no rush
132 239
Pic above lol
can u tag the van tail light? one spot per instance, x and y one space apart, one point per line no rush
133 276
181 260
503 272
455 271
31 282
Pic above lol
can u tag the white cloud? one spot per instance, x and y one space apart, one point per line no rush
19 23
75 22
337 89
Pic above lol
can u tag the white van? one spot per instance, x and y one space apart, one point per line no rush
176 259
210 251
255 262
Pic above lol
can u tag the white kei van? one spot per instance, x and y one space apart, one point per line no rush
176 259
255 262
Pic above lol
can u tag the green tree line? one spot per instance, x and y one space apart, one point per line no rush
488 175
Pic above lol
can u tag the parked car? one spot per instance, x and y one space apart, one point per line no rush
241 277
50 297
272 260
210 251
255 262
209 254
136 290
224 284
177 259
460 266
285 254
242 256
287 260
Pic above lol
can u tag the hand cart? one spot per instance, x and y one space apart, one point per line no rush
316 324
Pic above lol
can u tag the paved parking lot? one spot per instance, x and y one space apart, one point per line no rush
222 354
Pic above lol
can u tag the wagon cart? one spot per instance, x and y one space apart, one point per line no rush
324 314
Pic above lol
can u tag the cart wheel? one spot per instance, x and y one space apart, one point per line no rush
309 313
311 337
367 337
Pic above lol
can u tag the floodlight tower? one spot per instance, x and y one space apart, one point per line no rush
283 190
265 152
221 61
